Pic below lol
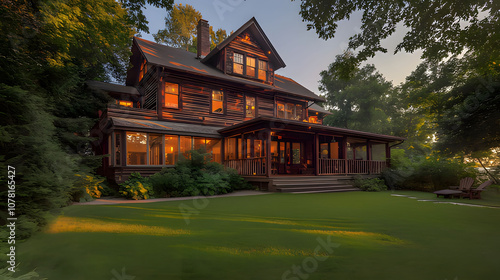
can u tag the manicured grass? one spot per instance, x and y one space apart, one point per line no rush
261 237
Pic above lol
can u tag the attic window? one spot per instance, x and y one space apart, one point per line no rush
238 63
262 70
250 66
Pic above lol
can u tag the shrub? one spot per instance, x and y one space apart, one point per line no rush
136 187
370 185
86 188
196 175
426 173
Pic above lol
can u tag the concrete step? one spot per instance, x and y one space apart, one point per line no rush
308 184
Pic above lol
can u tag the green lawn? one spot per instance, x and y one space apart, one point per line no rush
379 236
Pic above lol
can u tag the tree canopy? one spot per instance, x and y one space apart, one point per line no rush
357 102
439 28
180 29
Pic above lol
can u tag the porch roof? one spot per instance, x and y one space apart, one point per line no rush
276 124
165 127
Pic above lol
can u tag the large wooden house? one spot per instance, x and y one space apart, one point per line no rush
231 102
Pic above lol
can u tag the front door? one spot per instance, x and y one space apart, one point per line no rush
287 157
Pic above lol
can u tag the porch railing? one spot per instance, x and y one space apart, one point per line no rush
350 166
254 166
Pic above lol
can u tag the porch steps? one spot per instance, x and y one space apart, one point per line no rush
313 184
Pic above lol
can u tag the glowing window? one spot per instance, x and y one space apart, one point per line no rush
171 95
262 70
251 66
155 144
171 149
250 107
313 119
125 103
238 63
136 148
280 110
217 101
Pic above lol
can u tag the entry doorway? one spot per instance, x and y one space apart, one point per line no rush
288 157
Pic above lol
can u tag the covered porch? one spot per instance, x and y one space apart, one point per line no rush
276 147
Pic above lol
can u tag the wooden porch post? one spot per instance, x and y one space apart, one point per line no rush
316 154
268 153
344 153
369 155
223 150
387 155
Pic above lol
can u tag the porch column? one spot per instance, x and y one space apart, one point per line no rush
344 154
223 150
316 154
387 155
369 155
268 153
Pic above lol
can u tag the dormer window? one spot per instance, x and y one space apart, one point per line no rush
238 63
250 66
262 70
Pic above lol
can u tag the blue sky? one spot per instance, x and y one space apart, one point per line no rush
303 52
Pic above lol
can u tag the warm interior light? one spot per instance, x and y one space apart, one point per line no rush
171 149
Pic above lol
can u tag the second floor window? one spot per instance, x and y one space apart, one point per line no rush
262 70
250 111
289 111
217 101
250 66
238 63
171 95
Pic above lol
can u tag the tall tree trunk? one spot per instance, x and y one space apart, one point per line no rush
488 172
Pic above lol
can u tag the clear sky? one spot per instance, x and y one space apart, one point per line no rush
304 54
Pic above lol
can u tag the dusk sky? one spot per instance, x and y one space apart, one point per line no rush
302 51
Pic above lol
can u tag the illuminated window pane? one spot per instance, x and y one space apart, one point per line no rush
298 112
230 148
125 103
155 143
281 110
250 107
214 148
258 149
199 143
238 64
239 147
171 95
186 146
296 153
251 66
249 148
171 149
136 148
217 101
290 111
262 70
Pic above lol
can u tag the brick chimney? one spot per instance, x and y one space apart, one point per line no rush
203 38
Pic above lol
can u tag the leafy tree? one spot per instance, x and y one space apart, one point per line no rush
49 50
439 28
358 102
135 14
180 27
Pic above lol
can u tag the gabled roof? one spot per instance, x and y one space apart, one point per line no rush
184 61
254 28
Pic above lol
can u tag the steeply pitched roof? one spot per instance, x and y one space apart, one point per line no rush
254 28
184 61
